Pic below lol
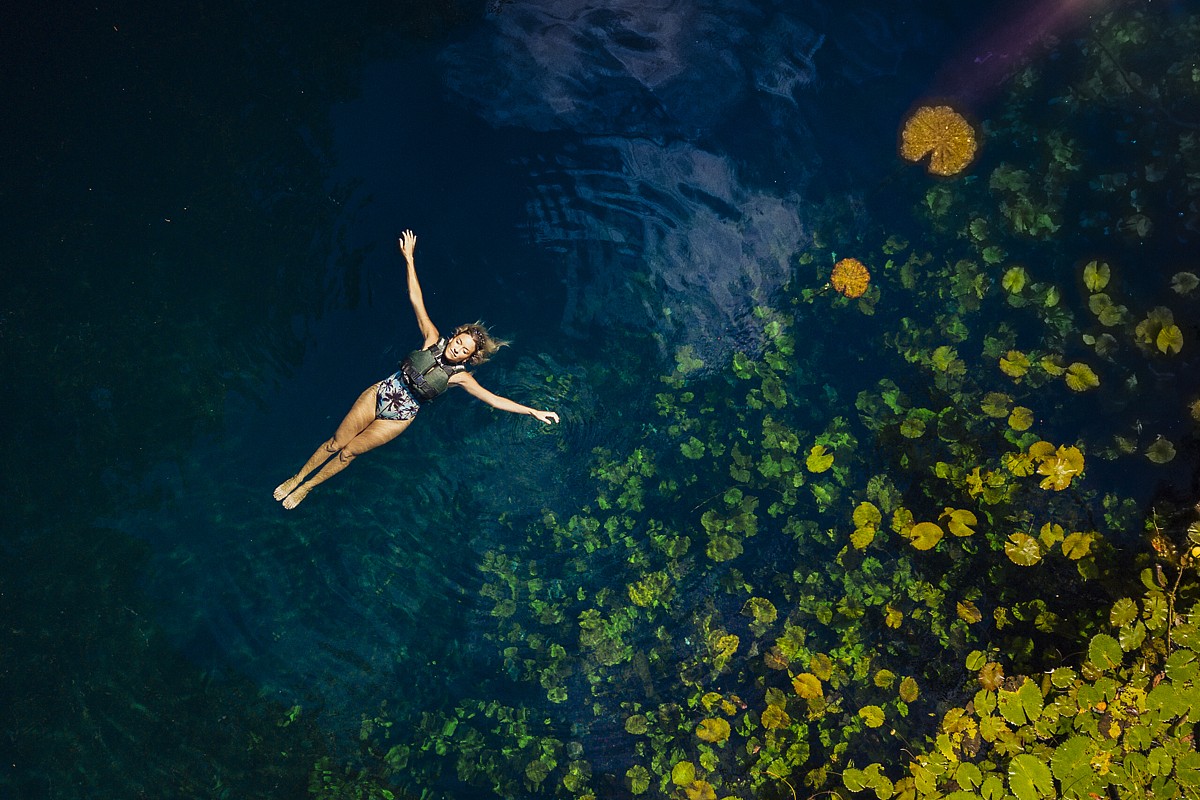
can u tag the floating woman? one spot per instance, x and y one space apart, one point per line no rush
385 410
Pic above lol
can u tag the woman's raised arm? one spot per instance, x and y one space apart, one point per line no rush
408 243
473 388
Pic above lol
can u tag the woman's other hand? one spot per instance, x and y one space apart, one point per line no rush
408 243
545 416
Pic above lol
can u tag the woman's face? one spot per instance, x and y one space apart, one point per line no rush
460 348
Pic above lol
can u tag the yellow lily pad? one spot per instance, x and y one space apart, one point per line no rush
1023 550
861 538
1052 365
925 535
968 612
775 717
819 459
1020 419
713 729
872 716
807 686
1051 534
1080 377
683 773
1014 280
893 617
1077 545
1014 364
1170 339
1096 275
1019 464
960 521
865 513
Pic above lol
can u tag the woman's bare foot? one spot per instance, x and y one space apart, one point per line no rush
285 488
295 498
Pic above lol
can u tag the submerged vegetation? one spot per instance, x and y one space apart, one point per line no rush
921 576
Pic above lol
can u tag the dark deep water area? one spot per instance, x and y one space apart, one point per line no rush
199 208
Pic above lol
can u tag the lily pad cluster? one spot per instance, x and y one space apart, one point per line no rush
860 556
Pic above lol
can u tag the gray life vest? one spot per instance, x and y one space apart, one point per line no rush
427 373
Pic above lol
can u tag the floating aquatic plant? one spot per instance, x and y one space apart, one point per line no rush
850 277
1184 282
1169 339
819 459
1015 364
1059 466
1021 418
713 729
1096 275
1014 279
848 607
941 133
1079 377
1160 451
925 535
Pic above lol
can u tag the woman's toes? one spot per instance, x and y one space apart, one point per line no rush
285 488
294 499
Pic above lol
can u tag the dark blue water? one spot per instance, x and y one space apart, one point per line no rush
200 212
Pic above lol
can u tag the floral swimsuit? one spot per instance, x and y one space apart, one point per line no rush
393 400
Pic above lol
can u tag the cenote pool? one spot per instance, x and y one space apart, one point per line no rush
872 333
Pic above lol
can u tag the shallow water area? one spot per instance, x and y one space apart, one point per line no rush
649 200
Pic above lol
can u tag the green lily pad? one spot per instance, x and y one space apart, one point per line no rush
1021 706
1014 280
968 776
1131 636
1160 451
872 716
1123 612
1184 282
639 779
683 773
995 404
1072 765
1029 778
1105 652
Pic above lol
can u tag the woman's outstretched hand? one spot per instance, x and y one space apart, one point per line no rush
545 416
408 243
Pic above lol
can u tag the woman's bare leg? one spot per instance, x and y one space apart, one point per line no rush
361 414
379 432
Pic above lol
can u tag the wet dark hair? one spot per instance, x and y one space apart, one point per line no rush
485 344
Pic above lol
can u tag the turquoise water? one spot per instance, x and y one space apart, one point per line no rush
200 211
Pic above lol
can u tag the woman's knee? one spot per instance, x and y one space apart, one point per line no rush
332 446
